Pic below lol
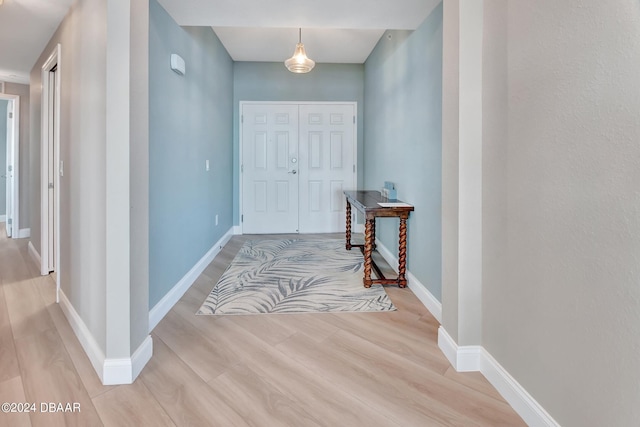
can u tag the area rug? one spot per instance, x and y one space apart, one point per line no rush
295 276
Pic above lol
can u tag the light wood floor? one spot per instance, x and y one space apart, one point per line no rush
370 369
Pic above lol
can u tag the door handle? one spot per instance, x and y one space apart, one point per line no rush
294 172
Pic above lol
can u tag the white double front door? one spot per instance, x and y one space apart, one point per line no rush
296 160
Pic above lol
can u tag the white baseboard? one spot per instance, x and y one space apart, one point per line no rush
88 342
430 302
110 371
126 370
237 230
476 358
3 218
24 233
173 296
35 256
462 358
520 400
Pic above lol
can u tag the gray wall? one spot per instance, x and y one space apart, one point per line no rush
268 81
3 155
190 119
403 139
561 300
82 267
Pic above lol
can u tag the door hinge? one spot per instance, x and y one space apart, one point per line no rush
11 115
241 218
354 120
354 168
242 118
9 221
241 168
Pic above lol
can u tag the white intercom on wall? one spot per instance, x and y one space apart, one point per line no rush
177 64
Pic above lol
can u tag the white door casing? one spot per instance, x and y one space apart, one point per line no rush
314 144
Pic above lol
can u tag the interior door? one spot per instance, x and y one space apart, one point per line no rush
327 165
269 168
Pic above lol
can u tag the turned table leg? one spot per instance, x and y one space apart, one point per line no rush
373 235
348 225
402 254
368 248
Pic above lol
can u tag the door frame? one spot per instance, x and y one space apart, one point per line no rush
54 61
240 137
14 159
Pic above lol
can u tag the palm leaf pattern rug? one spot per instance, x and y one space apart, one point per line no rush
295 276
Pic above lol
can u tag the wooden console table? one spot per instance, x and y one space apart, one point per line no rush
367 202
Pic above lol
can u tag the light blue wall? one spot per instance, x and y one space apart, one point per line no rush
190 120
269 81
403 138
3 155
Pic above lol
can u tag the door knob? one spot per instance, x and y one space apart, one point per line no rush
294 172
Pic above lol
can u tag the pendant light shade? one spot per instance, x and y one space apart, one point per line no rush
299 63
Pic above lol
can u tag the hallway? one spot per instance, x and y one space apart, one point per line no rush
371 369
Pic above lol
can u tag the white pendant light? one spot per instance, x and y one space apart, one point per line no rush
299 63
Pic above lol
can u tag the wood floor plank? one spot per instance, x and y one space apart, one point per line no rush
310 324
475 381
11 391
26 309
420 381
8 360
321 398
131 406
387 330
258 402
267 329
204 355
48 375
187 399
365 384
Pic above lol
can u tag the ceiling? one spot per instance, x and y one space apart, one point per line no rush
25 29
333 31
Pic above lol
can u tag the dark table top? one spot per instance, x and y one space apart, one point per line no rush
367 201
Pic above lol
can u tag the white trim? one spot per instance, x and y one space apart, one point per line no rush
3 218
126 370
420 290
24 233
462 358
88 342
237 230
173 296
476 358
520 400
35 256
110 371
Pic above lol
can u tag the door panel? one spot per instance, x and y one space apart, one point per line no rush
269 157
327 159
